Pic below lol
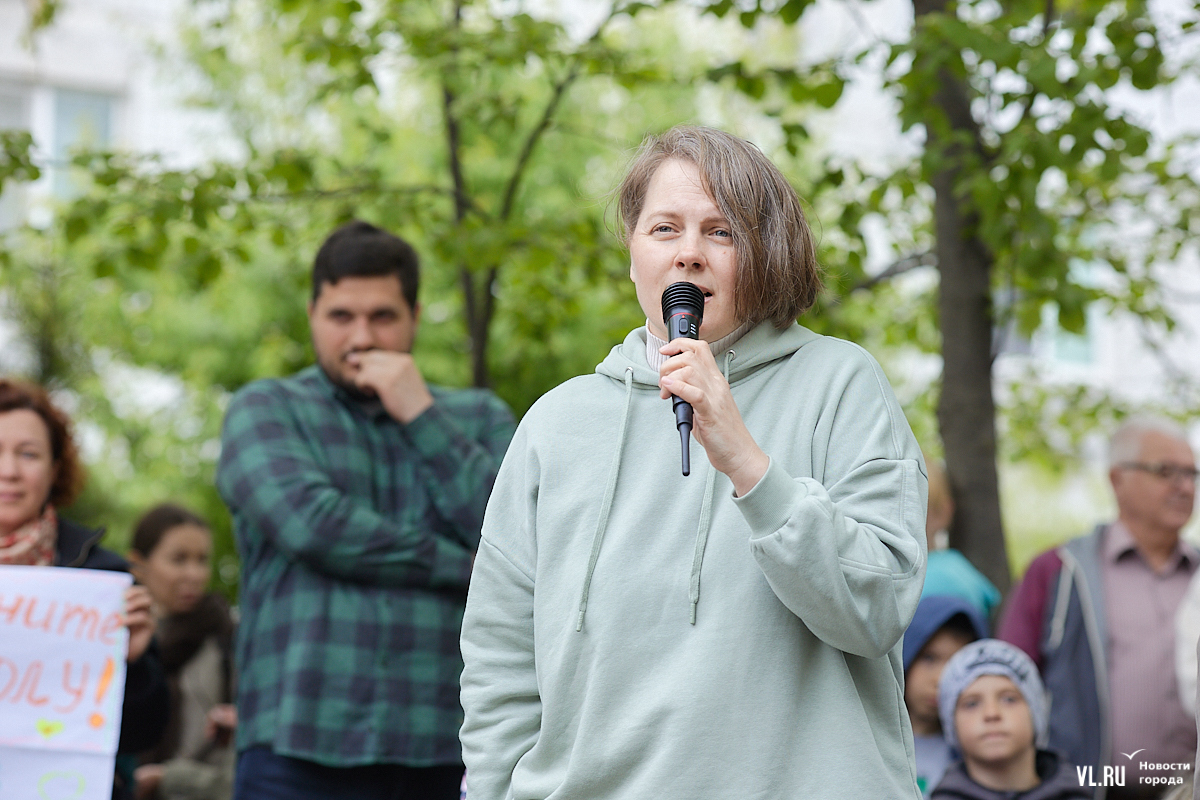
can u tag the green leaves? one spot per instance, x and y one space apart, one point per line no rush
1052 153
820 85
1050 167
501 82
789 11
16 160
489 137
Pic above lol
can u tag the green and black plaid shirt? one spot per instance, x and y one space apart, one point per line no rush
356 535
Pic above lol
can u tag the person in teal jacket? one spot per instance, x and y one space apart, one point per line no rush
948 572
631 632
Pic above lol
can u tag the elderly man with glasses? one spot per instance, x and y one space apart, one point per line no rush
1097 615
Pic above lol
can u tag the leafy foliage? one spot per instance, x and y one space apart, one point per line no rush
1076 202
1048 197
16 163
488 139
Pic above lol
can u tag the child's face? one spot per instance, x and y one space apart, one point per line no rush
921 680
993 721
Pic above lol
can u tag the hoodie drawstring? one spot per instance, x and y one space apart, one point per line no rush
705 519
701 541
606 504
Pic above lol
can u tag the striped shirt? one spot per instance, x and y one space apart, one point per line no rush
356 535
1140 604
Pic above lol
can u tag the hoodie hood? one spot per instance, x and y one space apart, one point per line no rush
933 612
761 345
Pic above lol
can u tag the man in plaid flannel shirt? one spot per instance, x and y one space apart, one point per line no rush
357 493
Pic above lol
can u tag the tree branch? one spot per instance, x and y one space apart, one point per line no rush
906 264
1031 95
1176 375
531 141
367 189
453 143
510 191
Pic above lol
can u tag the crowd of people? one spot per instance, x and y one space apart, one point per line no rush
177 710
1101 622
435 601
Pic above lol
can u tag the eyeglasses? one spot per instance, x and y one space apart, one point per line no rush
1170 472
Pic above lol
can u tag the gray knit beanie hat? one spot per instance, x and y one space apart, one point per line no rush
992 657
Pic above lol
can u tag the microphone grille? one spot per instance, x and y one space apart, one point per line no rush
682 296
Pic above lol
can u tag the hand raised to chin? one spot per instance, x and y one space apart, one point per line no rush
395 380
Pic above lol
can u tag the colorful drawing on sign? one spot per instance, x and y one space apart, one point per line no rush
62 666
48 728
61 786
46 775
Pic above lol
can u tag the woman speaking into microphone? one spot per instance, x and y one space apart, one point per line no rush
631 632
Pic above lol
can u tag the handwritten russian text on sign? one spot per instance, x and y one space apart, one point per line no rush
62 681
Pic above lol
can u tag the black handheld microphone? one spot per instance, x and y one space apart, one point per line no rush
683 311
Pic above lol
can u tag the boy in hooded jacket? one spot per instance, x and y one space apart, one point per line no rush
994 712
943 625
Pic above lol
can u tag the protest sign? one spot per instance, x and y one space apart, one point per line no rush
62 681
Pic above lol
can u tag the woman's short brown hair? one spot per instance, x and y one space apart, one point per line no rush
778 277
16 395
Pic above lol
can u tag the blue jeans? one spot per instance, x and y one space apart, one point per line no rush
263 775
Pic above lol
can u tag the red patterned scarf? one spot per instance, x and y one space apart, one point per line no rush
32 544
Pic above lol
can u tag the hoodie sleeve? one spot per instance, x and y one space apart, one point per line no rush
501 703
846 553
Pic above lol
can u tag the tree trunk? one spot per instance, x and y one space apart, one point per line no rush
479 302
966 409
479 306
44 316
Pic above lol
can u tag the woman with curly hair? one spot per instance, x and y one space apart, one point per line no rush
39 473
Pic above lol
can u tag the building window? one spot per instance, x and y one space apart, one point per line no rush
82 121
1074 348
14 115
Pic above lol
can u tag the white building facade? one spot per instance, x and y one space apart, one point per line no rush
95 78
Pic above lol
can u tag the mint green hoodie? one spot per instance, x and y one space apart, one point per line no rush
632 633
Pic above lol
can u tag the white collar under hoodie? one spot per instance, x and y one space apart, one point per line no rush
631 632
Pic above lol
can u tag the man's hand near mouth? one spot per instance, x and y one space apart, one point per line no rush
395 379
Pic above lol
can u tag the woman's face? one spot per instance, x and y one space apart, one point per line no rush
683 236
27 468
176 572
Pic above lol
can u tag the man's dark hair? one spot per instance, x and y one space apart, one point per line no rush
360 250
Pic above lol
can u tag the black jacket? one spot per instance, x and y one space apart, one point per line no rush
146 707
1060 781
